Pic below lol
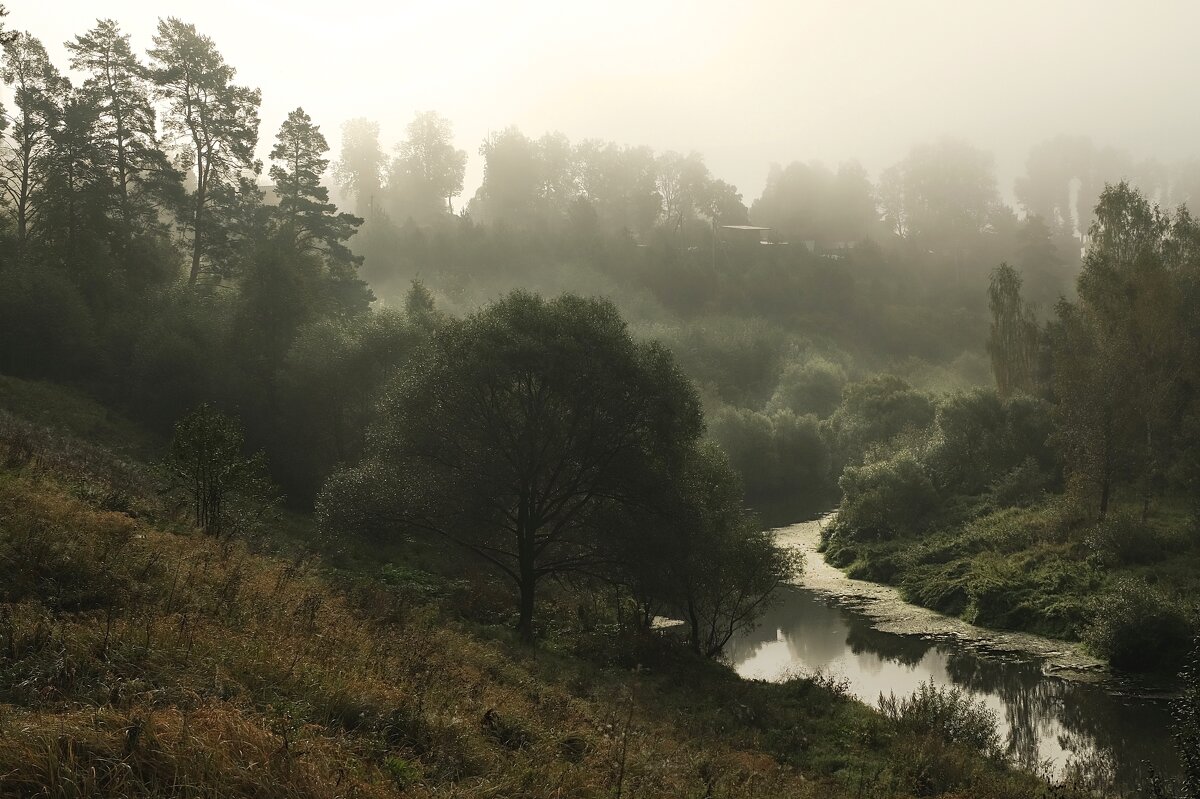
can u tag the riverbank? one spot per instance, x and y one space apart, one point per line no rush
214 667
891 612
1121 592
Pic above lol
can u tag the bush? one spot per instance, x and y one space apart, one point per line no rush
946 713
1123 539
1021 486
981 437
1137 627
872 415
812 387
886 498
45 326
781 457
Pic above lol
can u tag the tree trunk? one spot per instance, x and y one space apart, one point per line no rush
525 623
526 573
1105 494
196 235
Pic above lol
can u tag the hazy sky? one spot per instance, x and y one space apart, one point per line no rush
746 83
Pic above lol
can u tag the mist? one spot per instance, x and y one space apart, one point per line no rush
746 86
616 399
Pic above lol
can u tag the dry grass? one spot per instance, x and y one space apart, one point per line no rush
140 661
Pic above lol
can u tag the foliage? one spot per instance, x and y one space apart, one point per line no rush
228 492
713 565
1139 627
885 498
1014 337
945 712
873 414
213 124
517 434
781 457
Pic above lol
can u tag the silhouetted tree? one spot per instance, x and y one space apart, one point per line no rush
124 131
427 173
38 92
359 170
517 435
214 124
208 465
1014 337
310 222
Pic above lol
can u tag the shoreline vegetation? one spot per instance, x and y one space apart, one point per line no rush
143 657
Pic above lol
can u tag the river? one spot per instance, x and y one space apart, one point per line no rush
1059 710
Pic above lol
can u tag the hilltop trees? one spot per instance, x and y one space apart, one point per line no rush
213 123
38 91
124 130
359 170
427 173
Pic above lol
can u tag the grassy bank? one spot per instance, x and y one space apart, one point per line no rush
1125 586
139 658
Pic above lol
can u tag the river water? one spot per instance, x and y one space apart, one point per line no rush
1058 710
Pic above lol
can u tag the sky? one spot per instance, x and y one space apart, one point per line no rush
744 83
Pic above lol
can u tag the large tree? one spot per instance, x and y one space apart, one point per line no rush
1014 334
309 220
212 122
359 170
942 195
519 434
706 558
124 131
38 93
427 173
1123 352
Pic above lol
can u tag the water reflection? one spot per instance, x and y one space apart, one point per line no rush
1049 723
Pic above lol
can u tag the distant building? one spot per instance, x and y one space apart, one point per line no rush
746 234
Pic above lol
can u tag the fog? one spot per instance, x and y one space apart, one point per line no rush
744 84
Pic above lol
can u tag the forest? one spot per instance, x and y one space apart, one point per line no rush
318 478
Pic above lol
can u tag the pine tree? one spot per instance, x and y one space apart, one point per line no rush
214 124
38 89
119 88
305 213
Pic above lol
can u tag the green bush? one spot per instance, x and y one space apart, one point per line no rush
1124 539
1138 627
814 386
781 457
46 329
1020 486
885 498
872 415
983 438
947 713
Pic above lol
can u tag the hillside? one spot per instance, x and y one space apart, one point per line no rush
139 658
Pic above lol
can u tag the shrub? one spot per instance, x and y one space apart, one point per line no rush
782 459
885 498
873 414
1123 539
812 387
45 325
1021 486
1138 627
982 437
946 713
